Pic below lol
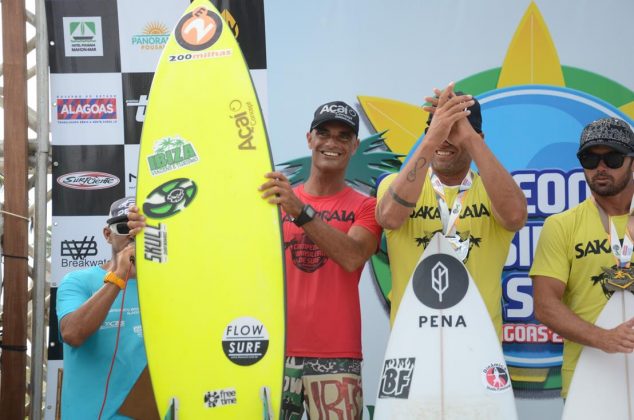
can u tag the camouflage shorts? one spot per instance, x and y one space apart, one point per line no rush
329 388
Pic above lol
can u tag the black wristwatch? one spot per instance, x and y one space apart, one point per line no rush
307 214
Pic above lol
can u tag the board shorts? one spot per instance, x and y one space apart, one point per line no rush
327 388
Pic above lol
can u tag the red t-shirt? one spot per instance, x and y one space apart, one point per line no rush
322 299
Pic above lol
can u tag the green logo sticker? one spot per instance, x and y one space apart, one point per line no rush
171 153
169 198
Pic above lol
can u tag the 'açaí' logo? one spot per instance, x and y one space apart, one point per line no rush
169 198
198 30
171 153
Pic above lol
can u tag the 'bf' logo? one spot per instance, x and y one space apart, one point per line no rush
396 379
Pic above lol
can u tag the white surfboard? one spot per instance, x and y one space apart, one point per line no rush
443 360
602 385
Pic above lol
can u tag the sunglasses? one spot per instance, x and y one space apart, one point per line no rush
120 228
612 160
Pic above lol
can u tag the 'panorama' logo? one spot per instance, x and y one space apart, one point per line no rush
88 180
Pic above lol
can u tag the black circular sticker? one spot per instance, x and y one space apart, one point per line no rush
198 30
169 198
245 341
440 281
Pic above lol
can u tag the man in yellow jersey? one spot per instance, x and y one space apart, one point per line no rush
575 254
436 191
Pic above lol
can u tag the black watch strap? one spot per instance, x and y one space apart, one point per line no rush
307 214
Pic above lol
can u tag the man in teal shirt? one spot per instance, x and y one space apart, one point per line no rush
90 303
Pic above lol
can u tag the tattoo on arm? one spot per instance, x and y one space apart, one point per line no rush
420 163
400 200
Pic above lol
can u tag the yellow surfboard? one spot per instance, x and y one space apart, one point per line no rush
210 262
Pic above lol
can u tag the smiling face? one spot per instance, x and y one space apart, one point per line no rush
450 160
605 181
332 143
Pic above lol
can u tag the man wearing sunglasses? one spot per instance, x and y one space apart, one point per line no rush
89 307
582 249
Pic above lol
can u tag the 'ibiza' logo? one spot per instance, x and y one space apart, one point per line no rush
171 153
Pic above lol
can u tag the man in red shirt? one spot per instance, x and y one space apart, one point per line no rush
329 233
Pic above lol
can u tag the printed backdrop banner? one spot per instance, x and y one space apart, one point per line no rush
541 70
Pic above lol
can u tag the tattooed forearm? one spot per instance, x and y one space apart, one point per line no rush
420 163
398 199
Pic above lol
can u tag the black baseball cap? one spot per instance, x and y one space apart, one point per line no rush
611 132
336 111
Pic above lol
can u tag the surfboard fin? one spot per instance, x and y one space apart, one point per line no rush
267 409
172 410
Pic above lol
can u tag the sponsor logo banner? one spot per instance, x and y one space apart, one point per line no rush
101 109
136 90
88 179
83 36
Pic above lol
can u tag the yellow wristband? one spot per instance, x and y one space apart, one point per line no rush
114 279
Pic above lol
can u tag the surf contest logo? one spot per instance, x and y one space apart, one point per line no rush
171 153
396 378
170 198
496 378
245 341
